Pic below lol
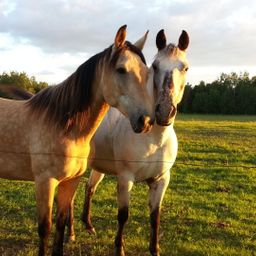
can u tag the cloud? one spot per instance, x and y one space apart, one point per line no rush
69 25
222 33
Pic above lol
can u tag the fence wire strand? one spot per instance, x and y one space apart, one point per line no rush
178 162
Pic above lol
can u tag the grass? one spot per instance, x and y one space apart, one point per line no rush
209 207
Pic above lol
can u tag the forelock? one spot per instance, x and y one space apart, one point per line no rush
127 46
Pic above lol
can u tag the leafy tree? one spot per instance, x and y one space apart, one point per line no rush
230 94
21 80
185 105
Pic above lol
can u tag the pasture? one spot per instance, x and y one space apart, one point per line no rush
209 207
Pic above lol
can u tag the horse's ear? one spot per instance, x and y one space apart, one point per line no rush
120 36
160 40
183 41
140 43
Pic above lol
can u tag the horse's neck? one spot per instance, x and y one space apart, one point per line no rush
95 120
96 113
162 133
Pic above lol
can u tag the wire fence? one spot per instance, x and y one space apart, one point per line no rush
178 162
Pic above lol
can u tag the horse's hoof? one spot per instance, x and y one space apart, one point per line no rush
57 252
90 229
119 251
154 253
70 239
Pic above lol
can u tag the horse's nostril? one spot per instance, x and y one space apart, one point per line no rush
141 120
144 124
157 108
144 120
172 112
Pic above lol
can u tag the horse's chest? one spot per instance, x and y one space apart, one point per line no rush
155 163
75 167
64 162
76 161
151 169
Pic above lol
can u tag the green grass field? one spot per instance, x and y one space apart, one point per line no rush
209 207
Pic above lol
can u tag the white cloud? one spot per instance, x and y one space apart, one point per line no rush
223 32
24 57
7 7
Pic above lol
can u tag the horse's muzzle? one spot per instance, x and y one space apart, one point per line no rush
165 120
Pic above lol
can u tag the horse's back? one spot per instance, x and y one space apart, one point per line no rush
14 157
13 120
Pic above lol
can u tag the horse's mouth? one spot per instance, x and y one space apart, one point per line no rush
164 123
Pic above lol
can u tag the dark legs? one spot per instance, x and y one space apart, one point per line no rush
70 224
93 182
122 217
86 215
154 232
66 191
44 197
44 229
123 195
157 188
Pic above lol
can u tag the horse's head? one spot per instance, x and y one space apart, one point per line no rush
170 68
125 81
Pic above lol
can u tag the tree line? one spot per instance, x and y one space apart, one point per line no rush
230 94
21 80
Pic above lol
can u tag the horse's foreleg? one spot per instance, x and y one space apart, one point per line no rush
66 192
70 223
123 196
44 199
157 188
92 184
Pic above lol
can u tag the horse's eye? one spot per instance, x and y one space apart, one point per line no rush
121 70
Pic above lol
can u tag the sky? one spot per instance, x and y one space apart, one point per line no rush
49 39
